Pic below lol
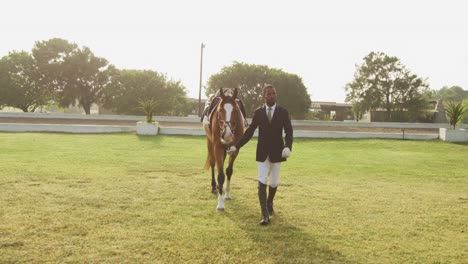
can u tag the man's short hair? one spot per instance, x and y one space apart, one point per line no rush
267 87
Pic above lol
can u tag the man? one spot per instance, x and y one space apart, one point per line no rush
271 149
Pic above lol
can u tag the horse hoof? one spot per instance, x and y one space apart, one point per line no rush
227 198
219 209
214 191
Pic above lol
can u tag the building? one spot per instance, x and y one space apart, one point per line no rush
332 110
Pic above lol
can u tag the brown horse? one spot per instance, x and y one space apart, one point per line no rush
225 128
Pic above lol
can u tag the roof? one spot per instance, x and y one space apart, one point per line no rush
330 106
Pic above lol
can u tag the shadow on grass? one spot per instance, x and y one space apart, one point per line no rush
282 242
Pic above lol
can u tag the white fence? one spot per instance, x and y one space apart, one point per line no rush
167 129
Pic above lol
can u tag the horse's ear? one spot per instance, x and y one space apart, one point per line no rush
221 93
234 96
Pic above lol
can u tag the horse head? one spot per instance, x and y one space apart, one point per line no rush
228 116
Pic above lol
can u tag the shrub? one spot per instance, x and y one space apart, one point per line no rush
147 106
454 112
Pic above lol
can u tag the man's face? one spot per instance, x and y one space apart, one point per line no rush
270 96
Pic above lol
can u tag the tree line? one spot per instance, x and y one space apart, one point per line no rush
60 72
63 73
383 82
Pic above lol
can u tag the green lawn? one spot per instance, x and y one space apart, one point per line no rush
123 198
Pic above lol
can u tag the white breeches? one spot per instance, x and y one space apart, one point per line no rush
266 169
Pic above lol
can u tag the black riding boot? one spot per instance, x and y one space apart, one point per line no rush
262 197
271 196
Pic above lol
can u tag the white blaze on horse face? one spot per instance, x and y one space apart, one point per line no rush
228 135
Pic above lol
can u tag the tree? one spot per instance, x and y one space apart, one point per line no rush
251 78
453 93
412 94
50 57
76 74
86 76
20 84
132 86
383 82
358 110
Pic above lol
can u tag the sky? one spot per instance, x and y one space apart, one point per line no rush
321 41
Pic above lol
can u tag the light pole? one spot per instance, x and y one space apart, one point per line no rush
201 70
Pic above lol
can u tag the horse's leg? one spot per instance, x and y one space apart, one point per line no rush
219 152
229 171
212 165
213 181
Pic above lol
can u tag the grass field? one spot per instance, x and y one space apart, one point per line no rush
122 198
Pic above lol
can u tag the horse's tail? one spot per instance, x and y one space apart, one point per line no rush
207 129
207 162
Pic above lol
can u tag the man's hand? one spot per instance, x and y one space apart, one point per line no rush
231 150
286 153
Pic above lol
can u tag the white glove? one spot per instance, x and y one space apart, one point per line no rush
286 153
231 150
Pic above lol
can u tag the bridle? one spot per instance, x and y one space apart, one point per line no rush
230 124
